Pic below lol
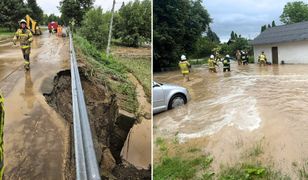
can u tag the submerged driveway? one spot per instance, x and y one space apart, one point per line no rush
231 112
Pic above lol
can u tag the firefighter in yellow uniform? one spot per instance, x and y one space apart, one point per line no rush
59 31
24 35
1 136
212 63
262 59
184 66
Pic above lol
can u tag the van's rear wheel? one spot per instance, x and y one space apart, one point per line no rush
176 101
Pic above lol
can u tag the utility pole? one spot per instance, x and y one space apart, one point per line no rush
110 30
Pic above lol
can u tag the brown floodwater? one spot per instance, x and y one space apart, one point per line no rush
231 112
36 138
137 147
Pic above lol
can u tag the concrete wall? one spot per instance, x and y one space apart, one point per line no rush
291 52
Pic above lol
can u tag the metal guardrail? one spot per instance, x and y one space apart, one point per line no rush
86 163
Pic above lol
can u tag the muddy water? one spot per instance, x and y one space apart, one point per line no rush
231 112
35 136
137 147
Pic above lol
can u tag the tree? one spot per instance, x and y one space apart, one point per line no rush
133 24
232 35
74 9
36 12
212 36
226 49
44 19
203 47
273 24
263 28
11 11
239 44
94 27
268 26
178 24
294 12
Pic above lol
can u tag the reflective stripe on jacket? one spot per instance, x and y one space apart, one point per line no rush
184 66
262 57
24 36
211 63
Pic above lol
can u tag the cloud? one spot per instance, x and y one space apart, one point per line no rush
107 4
50 6
245 17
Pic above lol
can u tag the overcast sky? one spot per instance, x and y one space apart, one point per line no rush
50 6
245 17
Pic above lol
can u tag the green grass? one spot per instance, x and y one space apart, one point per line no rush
140 67
193 150
159 141
250 168
111 73
256 150
247 171
198 61
191 163
178 168
303 172
5 33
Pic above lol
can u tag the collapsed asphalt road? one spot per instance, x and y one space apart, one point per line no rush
231 112
36 138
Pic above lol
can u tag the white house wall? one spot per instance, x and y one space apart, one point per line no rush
291 52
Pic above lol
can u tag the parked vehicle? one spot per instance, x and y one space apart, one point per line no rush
53 26
168 96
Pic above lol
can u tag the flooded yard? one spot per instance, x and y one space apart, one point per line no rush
231 112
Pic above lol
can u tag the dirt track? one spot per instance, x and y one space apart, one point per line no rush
36 138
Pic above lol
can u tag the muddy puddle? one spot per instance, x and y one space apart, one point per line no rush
137 147
231 112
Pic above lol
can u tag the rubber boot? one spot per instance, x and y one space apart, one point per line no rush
27 65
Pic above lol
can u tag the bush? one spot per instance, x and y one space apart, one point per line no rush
95 27
251 59
133 25
203 47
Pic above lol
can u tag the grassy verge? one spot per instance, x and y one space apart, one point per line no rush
140 67
178 167
198 61
250 170
5 33
302 170
111 73
181 161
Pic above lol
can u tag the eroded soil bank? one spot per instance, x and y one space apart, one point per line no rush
110 125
